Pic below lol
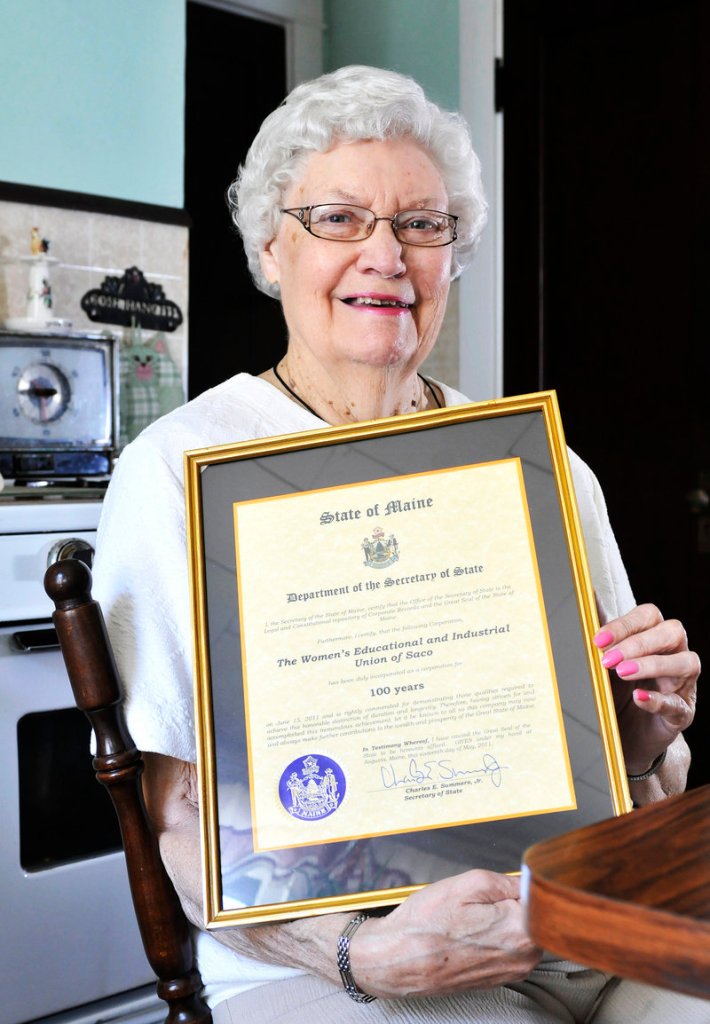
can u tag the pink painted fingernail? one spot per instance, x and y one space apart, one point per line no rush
642 695
603 638
627 668
612 658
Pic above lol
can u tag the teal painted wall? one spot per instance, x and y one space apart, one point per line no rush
93 90
416 37
93 96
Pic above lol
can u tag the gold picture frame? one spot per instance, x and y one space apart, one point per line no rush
394 672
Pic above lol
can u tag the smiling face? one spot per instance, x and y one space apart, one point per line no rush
373 302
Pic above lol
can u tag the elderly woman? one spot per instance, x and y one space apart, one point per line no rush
359 202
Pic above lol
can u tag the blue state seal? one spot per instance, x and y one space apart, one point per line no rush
312 787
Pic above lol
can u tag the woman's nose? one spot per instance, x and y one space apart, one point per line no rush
381 253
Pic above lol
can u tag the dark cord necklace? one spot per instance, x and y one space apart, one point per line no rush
297 397
433 393
311 410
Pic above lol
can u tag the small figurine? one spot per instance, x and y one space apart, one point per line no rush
38 245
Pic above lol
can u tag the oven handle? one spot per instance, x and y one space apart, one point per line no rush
71 547
43 639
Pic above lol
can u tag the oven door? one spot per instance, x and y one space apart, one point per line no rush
67 915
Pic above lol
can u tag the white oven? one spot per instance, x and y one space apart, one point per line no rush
71 947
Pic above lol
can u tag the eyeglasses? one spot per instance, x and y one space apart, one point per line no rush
340 222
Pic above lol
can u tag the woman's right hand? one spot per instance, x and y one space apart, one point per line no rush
464 932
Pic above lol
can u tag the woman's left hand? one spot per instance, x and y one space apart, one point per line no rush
655 692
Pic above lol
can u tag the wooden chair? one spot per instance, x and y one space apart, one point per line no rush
97 691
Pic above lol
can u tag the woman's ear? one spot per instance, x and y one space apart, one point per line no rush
269 260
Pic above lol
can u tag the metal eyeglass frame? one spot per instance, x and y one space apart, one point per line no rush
303 216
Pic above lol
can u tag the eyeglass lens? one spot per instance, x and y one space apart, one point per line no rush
342 222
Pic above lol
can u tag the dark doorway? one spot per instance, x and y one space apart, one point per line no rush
235 75
607 212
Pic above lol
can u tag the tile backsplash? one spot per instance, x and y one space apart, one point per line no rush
88 247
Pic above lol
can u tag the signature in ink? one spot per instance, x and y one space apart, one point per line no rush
415 774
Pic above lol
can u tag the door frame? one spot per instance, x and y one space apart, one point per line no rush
303 22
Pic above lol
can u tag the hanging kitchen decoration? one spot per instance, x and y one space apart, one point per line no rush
150 382
131 299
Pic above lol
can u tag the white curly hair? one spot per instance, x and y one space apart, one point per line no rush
353 103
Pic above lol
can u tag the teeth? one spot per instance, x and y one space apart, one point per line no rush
365 300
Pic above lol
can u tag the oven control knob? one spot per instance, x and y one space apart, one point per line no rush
71 547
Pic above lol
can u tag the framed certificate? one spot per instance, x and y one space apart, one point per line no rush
395 676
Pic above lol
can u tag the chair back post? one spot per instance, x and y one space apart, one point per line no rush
95 682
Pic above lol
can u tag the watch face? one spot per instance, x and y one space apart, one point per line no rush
60 391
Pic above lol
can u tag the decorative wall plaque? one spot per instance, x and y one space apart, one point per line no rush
132 300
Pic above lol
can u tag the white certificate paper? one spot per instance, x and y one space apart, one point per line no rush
397 666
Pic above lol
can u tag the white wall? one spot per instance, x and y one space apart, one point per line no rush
481 286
